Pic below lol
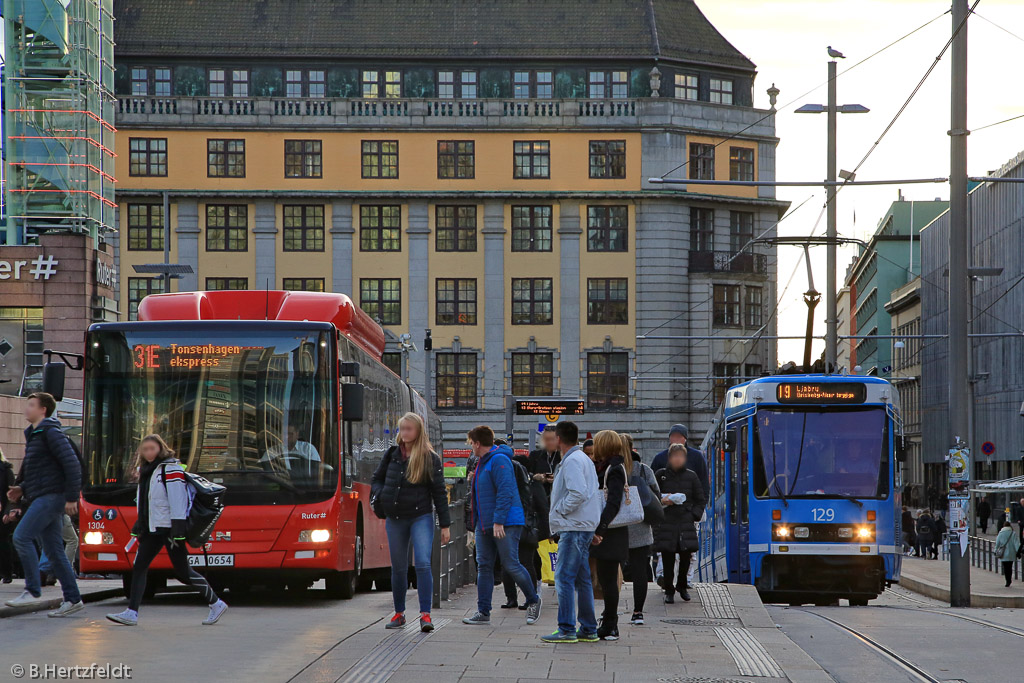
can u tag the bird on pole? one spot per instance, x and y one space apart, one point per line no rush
835 54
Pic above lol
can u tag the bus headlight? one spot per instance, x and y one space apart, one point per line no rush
865 533
314 536
98 538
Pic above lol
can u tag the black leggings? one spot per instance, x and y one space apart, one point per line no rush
527 555
668 560
149 547
608 577
639 568
1008 571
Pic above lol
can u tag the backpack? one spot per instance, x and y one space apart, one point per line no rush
525 497
206 507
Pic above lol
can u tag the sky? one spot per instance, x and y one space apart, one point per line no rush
787 41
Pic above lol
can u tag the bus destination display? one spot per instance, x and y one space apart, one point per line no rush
821 392
184 355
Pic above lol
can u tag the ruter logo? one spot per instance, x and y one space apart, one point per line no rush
44 266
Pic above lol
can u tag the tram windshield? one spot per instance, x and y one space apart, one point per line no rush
250 408
806 453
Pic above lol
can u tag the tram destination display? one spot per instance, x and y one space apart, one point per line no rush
821 392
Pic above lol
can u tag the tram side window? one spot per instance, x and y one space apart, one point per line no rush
883 467
744 476
719 464
733 474
760 481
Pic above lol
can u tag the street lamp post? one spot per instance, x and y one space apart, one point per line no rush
831 290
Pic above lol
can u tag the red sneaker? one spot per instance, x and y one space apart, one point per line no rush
397 621
426 625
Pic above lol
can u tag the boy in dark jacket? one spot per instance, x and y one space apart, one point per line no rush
51 479
684 501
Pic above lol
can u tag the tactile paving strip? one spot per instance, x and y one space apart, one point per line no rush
751 658
699 622
385 659
717 602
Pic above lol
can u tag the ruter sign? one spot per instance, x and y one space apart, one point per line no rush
549 406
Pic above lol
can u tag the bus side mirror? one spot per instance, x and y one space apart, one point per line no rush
53 379
730 441
352 402
901 448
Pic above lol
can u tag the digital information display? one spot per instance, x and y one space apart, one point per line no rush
821 392
184 355
552 406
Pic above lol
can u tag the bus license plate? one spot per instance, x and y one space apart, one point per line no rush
214 560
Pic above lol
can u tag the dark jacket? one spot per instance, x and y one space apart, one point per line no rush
6 482
614 542
396 497
984 509
925 529
495 491
678 533
539 462
940 529
907 521
51 464
694 461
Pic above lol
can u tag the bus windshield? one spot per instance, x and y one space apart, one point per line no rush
811 452
247 407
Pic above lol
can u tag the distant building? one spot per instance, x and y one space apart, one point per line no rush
996 223
904 310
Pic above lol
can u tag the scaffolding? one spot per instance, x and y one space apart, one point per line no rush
58 118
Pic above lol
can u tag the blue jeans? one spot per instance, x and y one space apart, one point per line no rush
572 582
43 522
418 532
487 547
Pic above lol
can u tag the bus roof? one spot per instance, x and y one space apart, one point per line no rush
258 305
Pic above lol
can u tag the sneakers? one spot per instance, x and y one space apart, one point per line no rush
67 608
608 631
397 621
426 625
585 637
638 619
533 611
25 598
559 637
478 619
129 617
217 610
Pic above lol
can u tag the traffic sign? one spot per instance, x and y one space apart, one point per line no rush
988 448
549 407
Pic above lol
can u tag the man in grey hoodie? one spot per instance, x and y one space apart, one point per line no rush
575 512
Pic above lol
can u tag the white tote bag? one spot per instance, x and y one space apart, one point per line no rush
631 511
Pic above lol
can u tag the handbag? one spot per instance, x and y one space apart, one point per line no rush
631 511
654 511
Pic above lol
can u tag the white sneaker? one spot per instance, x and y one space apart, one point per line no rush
129 617
67 608
217 610
25 598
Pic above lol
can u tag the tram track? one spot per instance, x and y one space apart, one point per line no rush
974 620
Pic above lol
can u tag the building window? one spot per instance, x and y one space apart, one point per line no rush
751 371
531 228
741 230
752 311
156 81
380 227
466 84
145 227
531 159
726 375
227 227
392 360
162 82
532 374
138 289
531 301
303 284
147 156
721 91
608 380
303 159
305 83
469 85
225 158
607 158
727 306
539 84
687 87
456 380
607 227
140 80
214 284
381 298
229 82
455 228
741 163
607 301
456 159
446 84
455 300
702 229
603 84
304 227
702 161
380 158
378 83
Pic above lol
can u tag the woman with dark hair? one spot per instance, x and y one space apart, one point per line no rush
610 546
6 549
164 498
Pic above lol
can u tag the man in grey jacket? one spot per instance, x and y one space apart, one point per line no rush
575 512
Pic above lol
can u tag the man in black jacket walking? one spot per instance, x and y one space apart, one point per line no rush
50 482
695 462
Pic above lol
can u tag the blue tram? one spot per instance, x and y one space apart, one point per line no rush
805 488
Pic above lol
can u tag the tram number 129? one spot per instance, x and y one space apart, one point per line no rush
823 514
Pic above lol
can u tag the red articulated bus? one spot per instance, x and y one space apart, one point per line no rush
247 388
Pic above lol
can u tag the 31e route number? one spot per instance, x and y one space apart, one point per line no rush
823 514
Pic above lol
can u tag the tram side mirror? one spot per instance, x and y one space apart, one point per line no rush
53 379
352 402
730 441
901 448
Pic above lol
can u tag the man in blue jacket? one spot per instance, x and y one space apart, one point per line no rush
498 519
50 481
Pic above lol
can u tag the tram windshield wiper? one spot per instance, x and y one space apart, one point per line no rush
775 477
846 496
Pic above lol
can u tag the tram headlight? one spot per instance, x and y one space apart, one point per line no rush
782 531
845 532
98 538
314 536
865 533
801 532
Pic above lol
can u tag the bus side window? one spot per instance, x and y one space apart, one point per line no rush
743 457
